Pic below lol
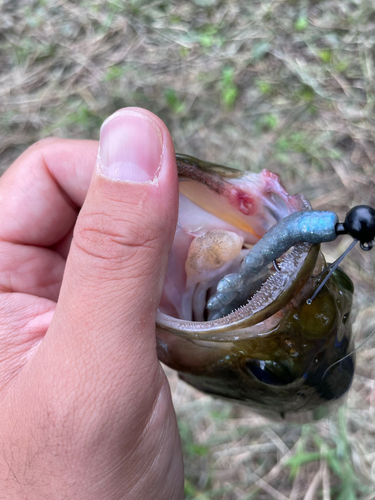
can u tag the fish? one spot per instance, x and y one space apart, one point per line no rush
235 320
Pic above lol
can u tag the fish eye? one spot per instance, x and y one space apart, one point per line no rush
270 372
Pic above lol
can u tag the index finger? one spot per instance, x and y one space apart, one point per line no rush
42 192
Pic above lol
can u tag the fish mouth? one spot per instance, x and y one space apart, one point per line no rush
223 213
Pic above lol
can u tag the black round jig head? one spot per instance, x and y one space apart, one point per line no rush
360 225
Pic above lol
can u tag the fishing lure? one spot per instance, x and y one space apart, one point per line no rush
309 226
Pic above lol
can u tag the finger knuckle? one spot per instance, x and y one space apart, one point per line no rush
42 145
113 241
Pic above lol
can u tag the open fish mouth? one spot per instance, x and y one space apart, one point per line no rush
223 213
232 320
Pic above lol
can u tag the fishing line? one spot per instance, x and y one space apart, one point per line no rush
349 354
335 363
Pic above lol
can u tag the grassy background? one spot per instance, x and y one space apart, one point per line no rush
284 85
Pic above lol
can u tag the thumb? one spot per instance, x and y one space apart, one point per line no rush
92 405
105 317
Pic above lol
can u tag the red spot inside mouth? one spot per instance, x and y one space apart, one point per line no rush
242 201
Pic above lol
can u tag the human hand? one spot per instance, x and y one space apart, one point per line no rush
85 407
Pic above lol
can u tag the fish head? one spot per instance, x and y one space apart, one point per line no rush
275 353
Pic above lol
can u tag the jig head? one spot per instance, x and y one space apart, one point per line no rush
360 225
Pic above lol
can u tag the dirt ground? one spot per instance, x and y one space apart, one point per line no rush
283 85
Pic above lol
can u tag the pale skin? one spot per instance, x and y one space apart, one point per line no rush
86 410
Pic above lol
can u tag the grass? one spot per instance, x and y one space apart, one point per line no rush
285 85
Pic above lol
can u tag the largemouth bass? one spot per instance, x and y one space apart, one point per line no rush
234 318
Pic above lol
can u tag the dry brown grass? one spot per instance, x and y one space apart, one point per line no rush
284 85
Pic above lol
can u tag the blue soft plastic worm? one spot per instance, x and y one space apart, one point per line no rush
309 226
